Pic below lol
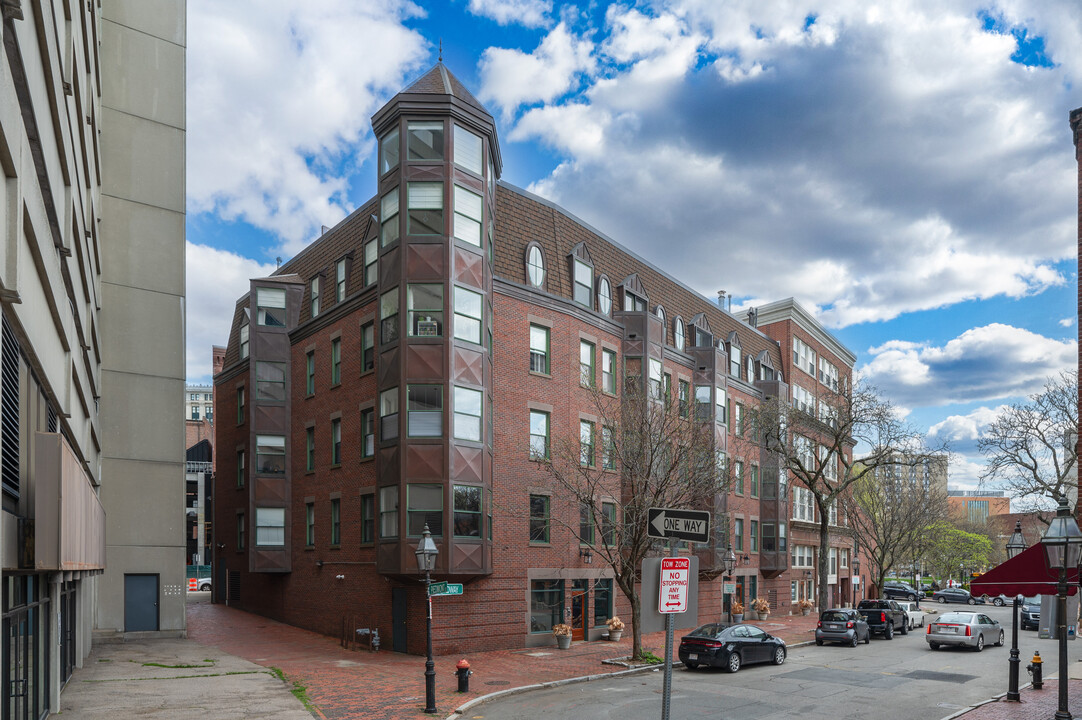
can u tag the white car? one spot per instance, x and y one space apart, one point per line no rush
913 611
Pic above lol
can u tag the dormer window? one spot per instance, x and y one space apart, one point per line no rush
340 280
700 332
660 312
467 149
678 332
388 152
604 295
271 307
635 298
584 283
535 265
632 302
314 293
244 332
426 140
766 368
735 355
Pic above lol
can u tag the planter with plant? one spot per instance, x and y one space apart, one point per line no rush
762 607
616 628
562 633
806 606
737 609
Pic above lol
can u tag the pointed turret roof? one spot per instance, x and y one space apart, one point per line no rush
441 81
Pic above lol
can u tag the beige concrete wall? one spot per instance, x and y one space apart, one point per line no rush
142 323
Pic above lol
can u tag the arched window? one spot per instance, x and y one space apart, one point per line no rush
660 312
604 295
678 333
535 265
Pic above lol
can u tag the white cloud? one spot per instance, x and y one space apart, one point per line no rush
279 100
885 158
1066 322
528 13
984 363
510 77
962 431
215 280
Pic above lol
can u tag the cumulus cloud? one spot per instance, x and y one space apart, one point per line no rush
962 431
1066 322
874 158
528 13
279 100
215 279
984 363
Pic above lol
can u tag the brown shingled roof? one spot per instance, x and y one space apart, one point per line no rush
441 81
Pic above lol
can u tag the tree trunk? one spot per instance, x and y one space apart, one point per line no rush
824 556
636 625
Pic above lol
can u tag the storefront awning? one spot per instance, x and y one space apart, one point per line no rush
1025 574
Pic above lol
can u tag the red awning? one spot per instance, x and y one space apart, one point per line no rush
1025 574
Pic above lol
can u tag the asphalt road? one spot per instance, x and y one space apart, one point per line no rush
900 679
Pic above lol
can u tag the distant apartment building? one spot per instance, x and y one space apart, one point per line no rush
977 507
92 113
199 402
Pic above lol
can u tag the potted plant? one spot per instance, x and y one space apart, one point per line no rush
616 628
737 609
562 633
805 606
762 607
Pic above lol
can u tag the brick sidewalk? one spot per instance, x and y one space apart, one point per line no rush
1034 705
345 684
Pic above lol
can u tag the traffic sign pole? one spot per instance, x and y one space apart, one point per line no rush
666 692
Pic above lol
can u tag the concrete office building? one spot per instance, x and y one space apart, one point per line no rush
413 364
92 304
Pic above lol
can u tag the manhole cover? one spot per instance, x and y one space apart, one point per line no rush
940 676
498 682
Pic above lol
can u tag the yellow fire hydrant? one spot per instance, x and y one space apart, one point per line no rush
1035 669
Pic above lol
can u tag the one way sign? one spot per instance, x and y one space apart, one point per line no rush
690 525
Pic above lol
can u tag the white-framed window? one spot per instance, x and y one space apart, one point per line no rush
424 215
801 556
468 305
584 284
833 513
314 293
828 374
833 562
803 504
467 414
467 149
678 333
604 295
803 400
468 213
271 307
803 356
388 215
270 527
843 558
535 266
829 463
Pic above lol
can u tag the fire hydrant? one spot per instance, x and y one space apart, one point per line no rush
463 672
1035 669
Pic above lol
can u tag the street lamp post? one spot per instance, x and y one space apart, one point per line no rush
728 562
426 561
1015 545
1062 544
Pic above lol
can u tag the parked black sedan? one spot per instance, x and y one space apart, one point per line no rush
730 646
956 595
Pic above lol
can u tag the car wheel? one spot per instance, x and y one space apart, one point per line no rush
691 665
922 621
905 628
868 638
971 601
734 662
980 644
934 646
819 643
911 598
942 600
779 655
999 643
204 587
888 634
998 602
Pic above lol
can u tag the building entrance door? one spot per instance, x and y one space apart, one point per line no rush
398 619
580 608
140 603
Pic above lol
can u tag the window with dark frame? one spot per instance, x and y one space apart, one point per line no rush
240 469
270 381
388 414
240 531
310 373
368 433
539 349
371 263
388 511
539 435
424 506
336 361
608 523
684 390
310 449
586 363
388 212
314 294
586 524
336 441
468 309
368 347
309 524
467 510
240 406
424 310
424 410
270 527
540 521
586 443
388 315
368 519
340 280
608 371
336 521
424 208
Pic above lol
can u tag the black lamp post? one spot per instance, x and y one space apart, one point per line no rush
1062 545
728 562
426 562
1015 545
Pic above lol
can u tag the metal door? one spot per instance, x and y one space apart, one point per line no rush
140 602
398 619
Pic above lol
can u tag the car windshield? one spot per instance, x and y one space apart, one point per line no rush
834 616
963 618
1032 601
709 630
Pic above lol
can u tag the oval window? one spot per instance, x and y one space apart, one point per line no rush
678 333
604 296
535 266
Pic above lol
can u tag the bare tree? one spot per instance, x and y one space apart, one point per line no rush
815 441
889 511
1031 446
646 452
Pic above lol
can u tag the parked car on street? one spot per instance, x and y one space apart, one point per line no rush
884 617
204 584
843 625
1029 616
965 629
913 612
896 590
730 646
956 595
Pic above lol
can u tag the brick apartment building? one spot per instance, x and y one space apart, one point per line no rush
401 370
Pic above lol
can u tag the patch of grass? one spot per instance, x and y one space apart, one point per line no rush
299 691
648 657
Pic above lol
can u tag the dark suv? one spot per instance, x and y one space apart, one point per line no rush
1030 615
900 591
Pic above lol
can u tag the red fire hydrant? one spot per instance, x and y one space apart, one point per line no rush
463 672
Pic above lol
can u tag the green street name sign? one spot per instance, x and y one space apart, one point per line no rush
445 588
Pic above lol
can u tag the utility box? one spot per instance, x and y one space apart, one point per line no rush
1049 625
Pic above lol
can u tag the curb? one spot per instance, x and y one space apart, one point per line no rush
994 698
459 711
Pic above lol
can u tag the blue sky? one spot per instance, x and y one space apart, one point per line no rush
903 168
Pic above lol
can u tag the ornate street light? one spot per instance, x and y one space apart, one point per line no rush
426 563
728 562
1016 543
1062 545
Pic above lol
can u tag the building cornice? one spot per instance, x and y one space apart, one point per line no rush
790 309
